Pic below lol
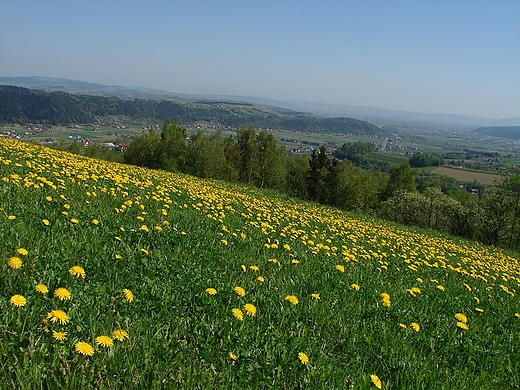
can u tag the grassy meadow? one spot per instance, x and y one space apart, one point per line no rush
118 277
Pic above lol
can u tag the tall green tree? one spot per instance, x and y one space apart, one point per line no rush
248 154
145 151
510 186
205 156
173 146
296 178
494 218
320 166
402 178
271 162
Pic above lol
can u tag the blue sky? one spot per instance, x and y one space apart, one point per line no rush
457 57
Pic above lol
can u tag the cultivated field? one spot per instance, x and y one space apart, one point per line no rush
467 176
120 277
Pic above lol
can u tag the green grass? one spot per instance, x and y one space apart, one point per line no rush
392 159
168 238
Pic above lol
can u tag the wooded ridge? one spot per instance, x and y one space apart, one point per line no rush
24 105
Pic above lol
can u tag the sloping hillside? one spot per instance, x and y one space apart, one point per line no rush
117 277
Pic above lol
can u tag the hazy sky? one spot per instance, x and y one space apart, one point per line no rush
459 57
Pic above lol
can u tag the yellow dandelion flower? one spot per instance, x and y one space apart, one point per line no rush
74 221
479 310
14 262
95 222
415 326
237 313
11 217
293 300
462 325
376 381
355 286
232 356
467 286
77 271
303 358
48 198
211 291
59 335
22 251
118 257
119 334
144 228
46 222
254 268
104 341
385 299
340 268
274 261
41 288
461 317
84 348
67 206
250 309
315 296
129 296
240 291
261 279
244 268
441 287
18 300
477 299
420 280
62 294
414 291
224 242
294 261
58 316
402 325
144 251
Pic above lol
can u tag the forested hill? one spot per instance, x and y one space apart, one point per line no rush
24 105
510 132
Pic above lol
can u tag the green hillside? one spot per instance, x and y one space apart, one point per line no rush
26 106
510 132
115 276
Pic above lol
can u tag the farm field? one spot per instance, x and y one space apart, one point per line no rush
115 276
467 176
67 134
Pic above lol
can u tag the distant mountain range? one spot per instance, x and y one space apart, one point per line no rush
371 114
